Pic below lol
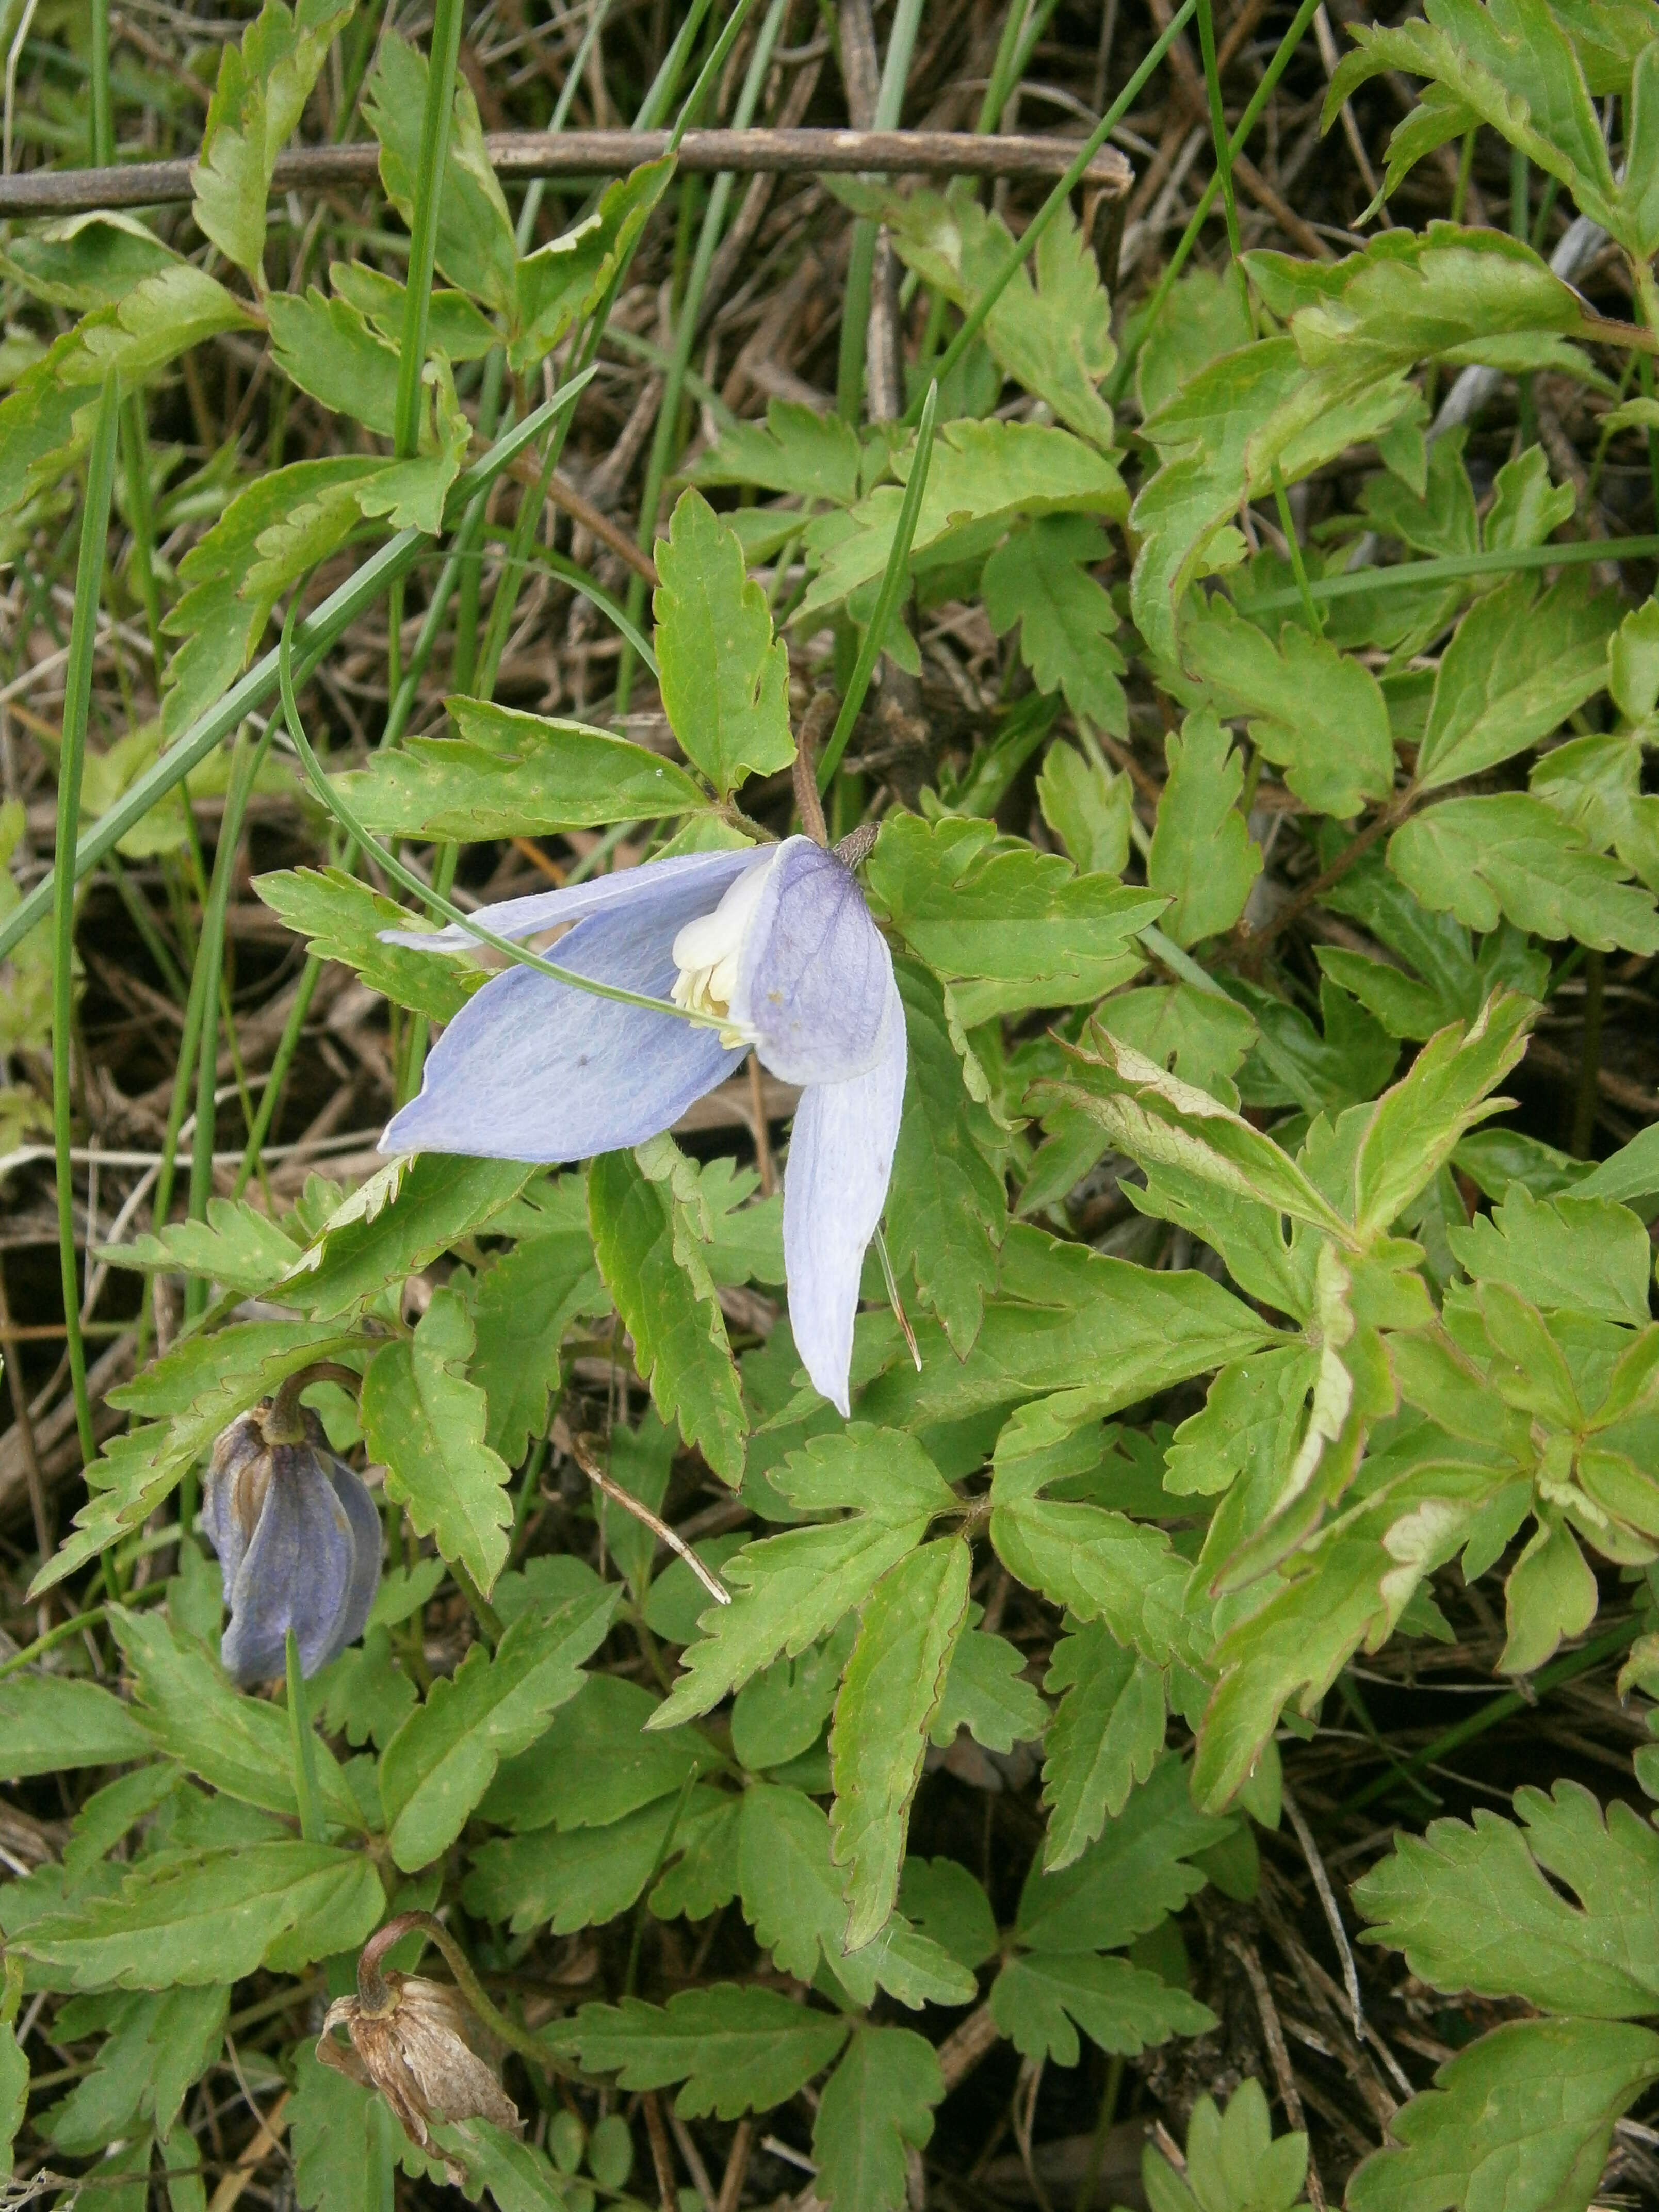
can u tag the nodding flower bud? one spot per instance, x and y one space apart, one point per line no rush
298 1539
413 2040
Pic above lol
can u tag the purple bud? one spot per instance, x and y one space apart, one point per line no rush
298 1540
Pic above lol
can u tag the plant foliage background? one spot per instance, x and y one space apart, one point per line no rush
1202 1702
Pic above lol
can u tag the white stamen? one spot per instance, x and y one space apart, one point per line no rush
708 952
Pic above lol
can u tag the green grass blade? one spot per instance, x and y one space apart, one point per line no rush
1147 316
1452 568
77 700
861 254
1027 244
445 51
314 637
408 880
892 584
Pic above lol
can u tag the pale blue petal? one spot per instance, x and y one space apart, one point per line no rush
816 973
296 1573
352 1492
534 1069
840 1156
645 891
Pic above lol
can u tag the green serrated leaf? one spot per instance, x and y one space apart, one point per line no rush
646 1221
1038 579
589 1876
1140 1868
346 2140
1037 1998
343 919
790 1590
986 1693
327 349
1105 1737
391 1227
1317 711
1580 1254
213 1915
736 2050
235 1246
1507 854
1010 926
425 1421
1159 1121
1517 666
724 677
52 1721
1201 857
880 2100
508 774
263 87
889 1696
1524 2119
594 1764
156 2047
521 1306
1411 1132
946 1207
793 1897
238 1744
475 245
1472 1908
445 1754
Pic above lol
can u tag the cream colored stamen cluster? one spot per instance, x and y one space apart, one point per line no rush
708 953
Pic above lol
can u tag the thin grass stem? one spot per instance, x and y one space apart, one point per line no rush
443 53
315 637
664 435
439 905
304 1743
1147 316
77 701
1027 243
861 253
893 583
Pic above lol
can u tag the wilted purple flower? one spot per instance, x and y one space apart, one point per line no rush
779 944
298 1539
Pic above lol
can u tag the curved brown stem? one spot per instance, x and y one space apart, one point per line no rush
283 1422
1255 947
816 725
376 1998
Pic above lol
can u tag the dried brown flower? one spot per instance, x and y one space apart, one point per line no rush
415 2041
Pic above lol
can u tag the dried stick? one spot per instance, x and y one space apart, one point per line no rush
1321 1882
1273 2033
737 2167
582 1452
520 154
659 2154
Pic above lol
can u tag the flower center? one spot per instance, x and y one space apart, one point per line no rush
708 953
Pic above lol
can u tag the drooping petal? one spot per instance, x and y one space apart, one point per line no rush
646 892
232 1492
296 1573
352 1492
816 975
534 1069
840 1156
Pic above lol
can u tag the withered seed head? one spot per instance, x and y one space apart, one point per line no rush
413 2046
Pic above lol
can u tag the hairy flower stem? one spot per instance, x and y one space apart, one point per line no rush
283 1423
377 1997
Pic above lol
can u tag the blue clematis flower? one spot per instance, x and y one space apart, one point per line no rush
779 945
299 1546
